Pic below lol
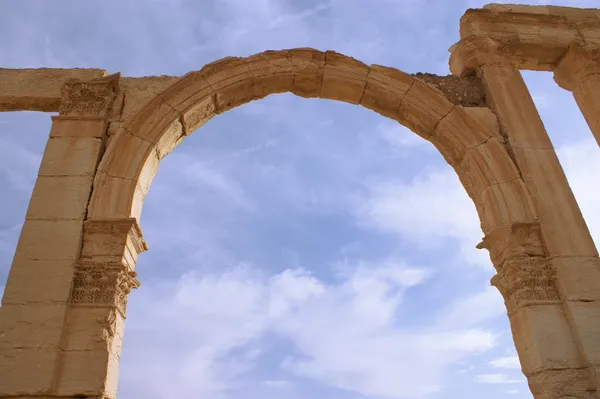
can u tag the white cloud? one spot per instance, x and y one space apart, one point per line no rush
343 333
428 211
507 362
496 379
581 162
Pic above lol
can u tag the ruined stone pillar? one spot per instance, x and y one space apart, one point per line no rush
93 332
548 272
39 352
579 72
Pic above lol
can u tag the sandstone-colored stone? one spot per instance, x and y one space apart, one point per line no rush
384 90
28 373
585 318
272 71
344 78
60 197
487 164
137 150
114 198
459 131
565 232
38 281
71 156
504 203
92 382
577 278
543 338
66 295
38 89
50 240
69 126
137 92
83 333
32 326
422 108
308 65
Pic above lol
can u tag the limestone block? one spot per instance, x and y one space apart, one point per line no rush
518 8
109 241
544 339
507 94
586 322
344 78
581 62
586 96
90 328
272 71
27 372
38 89
85 374
126 167
60 197
152 120
38 281
539 29
50 240
193 98
423 107
549 188
562 383
385 89
504 203
577 278
517 242
308 67
118 198
485 165
70 156
69 126
31 326
459 132
137 92
232 81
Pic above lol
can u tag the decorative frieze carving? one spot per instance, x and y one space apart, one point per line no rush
103 285
91 98
526 280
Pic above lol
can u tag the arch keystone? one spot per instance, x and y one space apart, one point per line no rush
307 64
272 71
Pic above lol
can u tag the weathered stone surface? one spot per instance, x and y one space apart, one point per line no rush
38 89
467 91
65 301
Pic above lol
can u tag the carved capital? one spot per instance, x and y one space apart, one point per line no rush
578 64
105 285
525 281
112 241
89 98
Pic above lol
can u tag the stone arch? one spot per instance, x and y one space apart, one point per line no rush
467 137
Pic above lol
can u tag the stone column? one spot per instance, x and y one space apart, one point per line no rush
93 331
579 72
36 299
548 272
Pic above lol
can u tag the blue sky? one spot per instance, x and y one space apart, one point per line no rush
298 247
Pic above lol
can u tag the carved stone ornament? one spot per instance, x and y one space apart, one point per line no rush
92 98
526 280
103 286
